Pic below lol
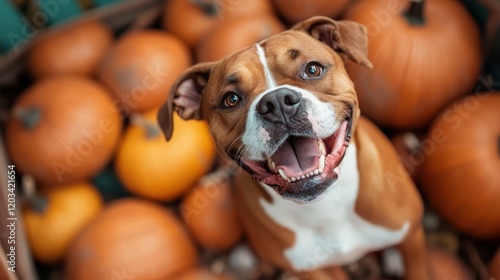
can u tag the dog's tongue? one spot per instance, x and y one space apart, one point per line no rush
297 156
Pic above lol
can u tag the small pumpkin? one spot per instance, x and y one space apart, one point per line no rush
236 33
151 167
142 66
53 218
200 274
210 213
459 175
131 239
191 19
63 129
494 268
75 50
294 11
445 265
414 46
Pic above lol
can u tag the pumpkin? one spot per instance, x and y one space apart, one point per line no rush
234 34
75 50
444 265
494 268
191 19
142 66
63 129
151 167
209 212
131 239
53 219
294 11
460 172
414 47
200 274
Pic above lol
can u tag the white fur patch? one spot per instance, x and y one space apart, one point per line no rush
267 72
264 134
328 231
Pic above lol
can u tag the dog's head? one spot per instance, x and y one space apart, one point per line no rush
284 109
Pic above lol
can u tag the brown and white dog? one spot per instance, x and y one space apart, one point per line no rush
286 111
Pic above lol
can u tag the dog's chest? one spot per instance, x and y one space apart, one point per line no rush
329 231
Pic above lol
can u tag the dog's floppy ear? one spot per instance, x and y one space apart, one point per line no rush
185 97
347 37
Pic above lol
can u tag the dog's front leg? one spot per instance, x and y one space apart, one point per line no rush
414 255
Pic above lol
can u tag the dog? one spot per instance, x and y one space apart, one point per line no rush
315 193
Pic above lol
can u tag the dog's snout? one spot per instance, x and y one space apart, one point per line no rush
278 105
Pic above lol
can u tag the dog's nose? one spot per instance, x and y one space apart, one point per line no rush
279 104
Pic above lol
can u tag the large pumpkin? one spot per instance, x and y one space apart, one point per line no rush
76 50
460 172
234 34
131 239
142 66
210 213
53 219
191 19
298 10
151 167
63 129
424 54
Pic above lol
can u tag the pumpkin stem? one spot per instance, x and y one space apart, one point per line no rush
29 117
37 203
210 8
151 129
415 13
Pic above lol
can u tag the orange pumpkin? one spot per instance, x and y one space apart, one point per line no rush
63 129
444 265
142 66
151 167
75 50
53 219
294 11
460 172
190 20
495 267
210 214
414 46
200 274
236 33
131 239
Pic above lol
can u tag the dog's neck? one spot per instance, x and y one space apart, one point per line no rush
317 242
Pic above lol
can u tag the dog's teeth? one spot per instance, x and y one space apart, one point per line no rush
307 175
312 173
271 164
283 175
294 179
321 146
321 164
303 177
316 172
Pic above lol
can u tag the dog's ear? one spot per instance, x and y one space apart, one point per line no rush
347 37
185 97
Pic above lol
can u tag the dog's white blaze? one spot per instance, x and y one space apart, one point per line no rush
271 83
321 115
328 231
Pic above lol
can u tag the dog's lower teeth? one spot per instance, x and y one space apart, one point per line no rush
303 177
321 163
316 172
283 175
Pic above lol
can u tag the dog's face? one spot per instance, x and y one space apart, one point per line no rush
283 109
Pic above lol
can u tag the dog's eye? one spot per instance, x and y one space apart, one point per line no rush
313 70
231 99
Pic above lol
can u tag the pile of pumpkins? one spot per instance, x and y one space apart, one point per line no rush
94 100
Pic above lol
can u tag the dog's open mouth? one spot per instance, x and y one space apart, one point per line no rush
300 159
